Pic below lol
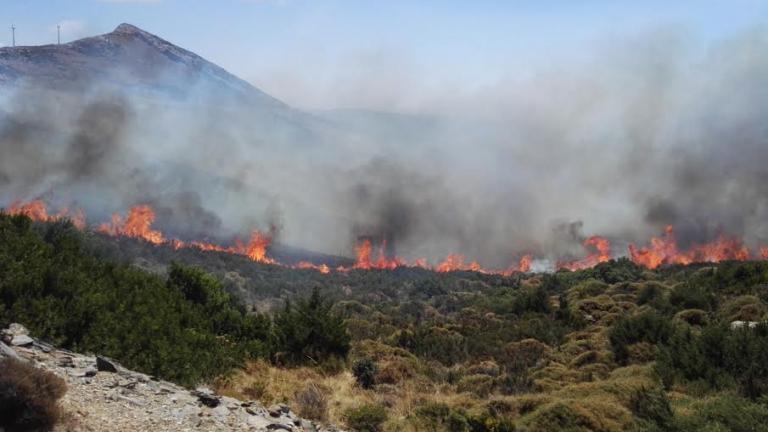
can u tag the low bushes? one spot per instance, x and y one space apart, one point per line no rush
367 418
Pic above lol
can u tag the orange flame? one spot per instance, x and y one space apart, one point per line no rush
37 211
365 257
664 250
138 224
322 268
524 266
455 262
256 249
601 254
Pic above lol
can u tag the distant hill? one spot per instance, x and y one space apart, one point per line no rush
128 57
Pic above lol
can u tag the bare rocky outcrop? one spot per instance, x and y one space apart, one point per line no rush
104 396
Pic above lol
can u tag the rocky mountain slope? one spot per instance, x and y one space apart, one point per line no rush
102 395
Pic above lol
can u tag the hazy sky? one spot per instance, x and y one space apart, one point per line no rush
347 53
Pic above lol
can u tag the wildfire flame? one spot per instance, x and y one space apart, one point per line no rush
366 261
138 224
38 211
601 248
662 250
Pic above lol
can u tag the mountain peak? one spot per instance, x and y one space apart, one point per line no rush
127 28
129 57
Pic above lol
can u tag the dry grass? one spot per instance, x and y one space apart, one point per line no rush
29 397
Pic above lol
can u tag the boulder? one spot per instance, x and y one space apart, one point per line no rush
12 331
8 352
22 341
275 411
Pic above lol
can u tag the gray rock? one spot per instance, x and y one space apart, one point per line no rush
221 413
105 365
186 413
16 329
22 340
258 423
308 426
66 362
8 352
275 411
230 403
82 362
131 401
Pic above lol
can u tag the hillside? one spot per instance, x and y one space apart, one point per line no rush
130 58
612 348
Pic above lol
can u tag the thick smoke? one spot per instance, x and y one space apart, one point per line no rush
651 132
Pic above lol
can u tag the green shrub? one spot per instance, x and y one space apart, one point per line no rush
309 332
367 418
440 417
725 413
720 357
184 328
365 373
558 417
646 327
652 406
690 296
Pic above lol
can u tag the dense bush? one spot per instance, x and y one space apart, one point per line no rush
652 407
308 331
28 397
724 413
648 327
367 418
365 373
719 356
185 328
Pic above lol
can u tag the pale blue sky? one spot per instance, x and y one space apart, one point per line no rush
298 49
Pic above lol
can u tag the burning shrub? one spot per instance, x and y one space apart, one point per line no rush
28 397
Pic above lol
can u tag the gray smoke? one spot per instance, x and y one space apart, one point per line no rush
650 132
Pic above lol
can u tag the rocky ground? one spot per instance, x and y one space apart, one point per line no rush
104 396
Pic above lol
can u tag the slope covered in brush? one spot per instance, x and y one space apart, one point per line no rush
613 348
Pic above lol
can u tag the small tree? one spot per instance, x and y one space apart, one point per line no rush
310 331
365 371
